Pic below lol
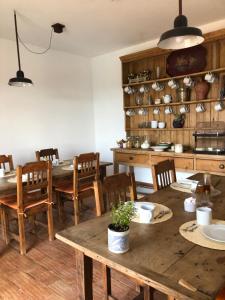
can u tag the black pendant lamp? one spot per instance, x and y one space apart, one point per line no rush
19 80
181 36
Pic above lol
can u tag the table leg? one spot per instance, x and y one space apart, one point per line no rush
84 278
170 298
106 281
102 172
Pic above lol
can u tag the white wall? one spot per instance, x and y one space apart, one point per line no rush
108 98
56 112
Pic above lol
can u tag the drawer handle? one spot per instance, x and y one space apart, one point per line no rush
221 166
131 158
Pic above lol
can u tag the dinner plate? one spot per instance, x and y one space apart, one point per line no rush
215 232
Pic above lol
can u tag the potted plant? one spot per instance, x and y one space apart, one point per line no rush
118 230
179 120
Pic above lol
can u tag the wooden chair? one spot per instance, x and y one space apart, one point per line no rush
163 174
86 170
47 154
6 162
34 195
116 188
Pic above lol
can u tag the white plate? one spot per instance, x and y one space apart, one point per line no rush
159 148
215 232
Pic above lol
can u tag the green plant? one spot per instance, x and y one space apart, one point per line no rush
122 215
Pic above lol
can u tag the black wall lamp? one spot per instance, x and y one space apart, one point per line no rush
181 36
20 80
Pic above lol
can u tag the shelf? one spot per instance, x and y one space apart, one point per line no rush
173 103
159 129
175 77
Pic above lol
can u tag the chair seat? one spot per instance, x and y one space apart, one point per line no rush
11 201
67 187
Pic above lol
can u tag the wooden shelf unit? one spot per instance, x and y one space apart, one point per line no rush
150 59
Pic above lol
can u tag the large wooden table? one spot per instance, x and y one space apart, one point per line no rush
159 256
57 174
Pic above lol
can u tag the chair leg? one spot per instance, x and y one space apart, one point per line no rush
5 226
22 239
60 207
106 281
50 223
76 210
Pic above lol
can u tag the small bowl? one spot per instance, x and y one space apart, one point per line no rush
161 125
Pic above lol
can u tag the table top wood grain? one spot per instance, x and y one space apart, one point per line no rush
57 173
159 255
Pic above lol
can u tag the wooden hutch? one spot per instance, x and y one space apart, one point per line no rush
151 59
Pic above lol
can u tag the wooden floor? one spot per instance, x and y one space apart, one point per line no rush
48 270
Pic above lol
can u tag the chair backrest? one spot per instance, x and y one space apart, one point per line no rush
163 174
86 170
47 154
34 183
6 162
116 188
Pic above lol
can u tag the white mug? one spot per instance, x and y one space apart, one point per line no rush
55 162
2 172
178 148
154 124
156 111
184 109
210 77
218 106
167 99
168 110
143 89
188 81
146 213
204 215
171 83
200 108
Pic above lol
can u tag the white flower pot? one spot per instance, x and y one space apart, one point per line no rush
118 242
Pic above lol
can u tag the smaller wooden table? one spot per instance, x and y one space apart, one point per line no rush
7 188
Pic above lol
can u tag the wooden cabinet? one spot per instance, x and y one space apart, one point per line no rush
209 165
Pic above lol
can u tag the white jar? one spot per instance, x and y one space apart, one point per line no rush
154 124
178 148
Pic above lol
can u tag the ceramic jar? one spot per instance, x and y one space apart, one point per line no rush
201 89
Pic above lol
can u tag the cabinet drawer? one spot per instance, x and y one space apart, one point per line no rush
139 159
180 162
210 165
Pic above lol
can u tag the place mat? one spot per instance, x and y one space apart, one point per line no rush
14 179
8 174
159 208
70 167
181 187
198 238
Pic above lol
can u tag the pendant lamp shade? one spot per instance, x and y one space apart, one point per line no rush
19 80
181 36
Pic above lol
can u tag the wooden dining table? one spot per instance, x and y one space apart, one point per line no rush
58 173
159 256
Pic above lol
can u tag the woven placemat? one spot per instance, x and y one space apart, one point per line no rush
159 208
198 238
8 174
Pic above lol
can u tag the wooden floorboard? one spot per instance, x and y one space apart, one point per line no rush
48 271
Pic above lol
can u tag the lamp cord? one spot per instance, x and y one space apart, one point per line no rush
32 51
180 7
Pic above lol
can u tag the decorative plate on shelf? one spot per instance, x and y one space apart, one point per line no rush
186 61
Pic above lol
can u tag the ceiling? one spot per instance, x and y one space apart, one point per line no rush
95 27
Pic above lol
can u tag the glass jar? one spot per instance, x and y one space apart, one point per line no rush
137 143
